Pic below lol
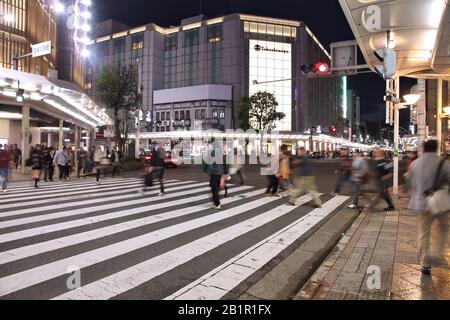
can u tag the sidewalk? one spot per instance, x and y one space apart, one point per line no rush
385 240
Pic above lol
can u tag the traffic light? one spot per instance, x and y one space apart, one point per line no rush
20 95
318 69
388 57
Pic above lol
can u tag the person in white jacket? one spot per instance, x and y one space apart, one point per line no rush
99 154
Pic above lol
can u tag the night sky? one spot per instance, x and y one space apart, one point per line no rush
324 17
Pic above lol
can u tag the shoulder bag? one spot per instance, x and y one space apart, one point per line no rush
438 200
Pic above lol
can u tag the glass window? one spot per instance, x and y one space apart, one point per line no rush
188 115
222 114
182 115
246 26
170 42
197 114
137 41
271 29
168 116
262 28
177 115
163 116
203 114
253 27
278 30
157 116
119 46
214 33
287 31
215 114
191 37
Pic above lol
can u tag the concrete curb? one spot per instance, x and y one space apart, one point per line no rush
287 278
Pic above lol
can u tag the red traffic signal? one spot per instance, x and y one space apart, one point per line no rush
318 69
322 67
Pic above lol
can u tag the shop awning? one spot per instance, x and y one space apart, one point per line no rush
59 98
419 30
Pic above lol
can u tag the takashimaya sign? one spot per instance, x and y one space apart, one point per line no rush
262 48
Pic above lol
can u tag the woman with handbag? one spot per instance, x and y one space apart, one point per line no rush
37 165
429 179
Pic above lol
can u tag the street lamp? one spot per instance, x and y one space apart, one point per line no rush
411 99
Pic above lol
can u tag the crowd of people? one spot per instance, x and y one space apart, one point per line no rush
42 162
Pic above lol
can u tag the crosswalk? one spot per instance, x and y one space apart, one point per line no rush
124 244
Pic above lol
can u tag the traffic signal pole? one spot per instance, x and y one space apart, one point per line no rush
396 138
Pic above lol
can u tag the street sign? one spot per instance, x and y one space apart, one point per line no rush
108 134
41 49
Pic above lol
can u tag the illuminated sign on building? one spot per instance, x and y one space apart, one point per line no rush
269 62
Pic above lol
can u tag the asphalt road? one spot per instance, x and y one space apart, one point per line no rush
76 240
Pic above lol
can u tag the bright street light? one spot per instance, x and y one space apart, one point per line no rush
8 18
447 111
411 99
59 7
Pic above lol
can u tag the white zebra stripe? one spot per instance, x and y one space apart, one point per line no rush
127 279
222 280
77 200
39 248
7 237
68 213
46 272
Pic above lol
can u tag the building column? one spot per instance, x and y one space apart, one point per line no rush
77 146
61 134
49 140
439 116
25 135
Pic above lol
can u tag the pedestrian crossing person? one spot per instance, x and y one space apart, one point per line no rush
5 160
98 157
214 165
157 168
37 165
304 180
61 161
360 174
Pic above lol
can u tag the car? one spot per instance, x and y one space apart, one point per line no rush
170 161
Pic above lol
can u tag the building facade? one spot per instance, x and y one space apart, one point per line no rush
194 75
37 106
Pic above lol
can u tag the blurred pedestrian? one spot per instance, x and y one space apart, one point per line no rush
304 181
273 181
383 173
99 161
61 161
37 165
5 160
344 172
215 165
17 154
237 168
284 174
360 174
157 169
423 174
115 161
70 163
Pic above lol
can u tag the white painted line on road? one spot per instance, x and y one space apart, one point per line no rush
49 271
222 280
7 237
64 185
72 191
130 278
39 248
72 201
75 212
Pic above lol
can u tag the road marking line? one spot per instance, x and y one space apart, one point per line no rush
222 280
8 237
55 269
59 243
128 279
68 213
79 200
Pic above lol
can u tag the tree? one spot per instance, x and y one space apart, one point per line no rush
263 113
244 114
118 89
